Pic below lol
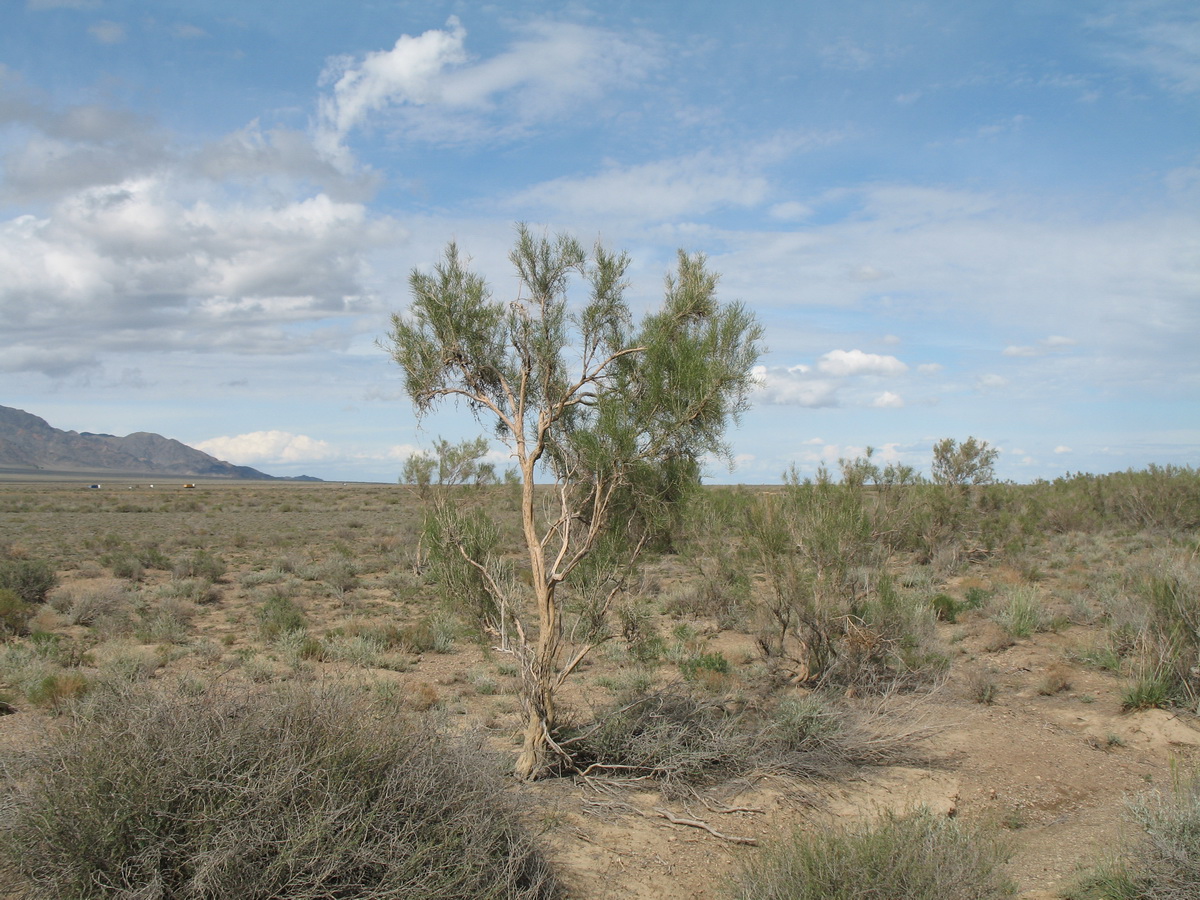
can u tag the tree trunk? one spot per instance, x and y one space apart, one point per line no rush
538 674
539 663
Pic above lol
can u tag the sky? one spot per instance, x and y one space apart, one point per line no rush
953 218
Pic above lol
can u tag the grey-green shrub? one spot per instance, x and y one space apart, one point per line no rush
915 857
29 579
262 795
1164 864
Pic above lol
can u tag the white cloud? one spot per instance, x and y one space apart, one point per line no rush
930 368
408 73
259 447
790 211
1044 346
107 32
888 400
1014 350
659 190
856 362
429 87
1156 39
792 387
990 381
136 265
1061 448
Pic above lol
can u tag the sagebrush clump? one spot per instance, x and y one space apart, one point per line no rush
260 795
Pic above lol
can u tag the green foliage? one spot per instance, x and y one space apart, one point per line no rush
946 608
1150 691
453 464
15 613
958 465
418 471
129 561
266 795
1020 613
29 579
808 541
617 416
1172 637
56 690
915 857
714 663
277 615
464 553
888 642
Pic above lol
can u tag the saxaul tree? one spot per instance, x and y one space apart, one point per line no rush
604 418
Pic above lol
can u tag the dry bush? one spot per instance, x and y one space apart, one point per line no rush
678 737
266 795
914 857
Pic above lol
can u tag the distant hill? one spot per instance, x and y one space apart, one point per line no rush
30 444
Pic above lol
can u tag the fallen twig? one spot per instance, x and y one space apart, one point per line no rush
697 823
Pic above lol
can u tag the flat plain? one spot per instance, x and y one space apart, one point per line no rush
1026 726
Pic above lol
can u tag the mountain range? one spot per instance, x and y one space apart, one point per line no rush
29 444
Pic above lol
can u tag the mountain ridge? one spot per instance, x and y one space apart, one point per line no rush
30 443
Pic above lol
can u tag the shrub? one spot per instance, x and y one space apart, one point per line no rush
29 579
677 738
267 795
1165 863
1171 640
55 690
714 663
1021 613
200 564
279 615
915 857
15 613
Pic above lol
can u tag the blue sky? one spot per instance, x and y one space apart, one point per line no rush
952 217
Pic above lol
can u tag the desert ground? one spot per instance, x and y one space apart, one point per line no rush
1028 730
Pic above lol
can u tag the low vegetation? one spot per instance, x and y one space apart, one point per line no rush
916 857
1163 862
292 793
766 635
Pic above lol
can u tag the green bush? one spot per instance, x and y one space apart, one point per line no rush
15 613
915 857
271 795
278 615
29 579
714 663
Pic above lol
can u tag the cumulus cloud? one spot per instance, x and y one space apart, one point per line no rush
429 87
888 400
266 447
856 362
1062 448
134 265
793 387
